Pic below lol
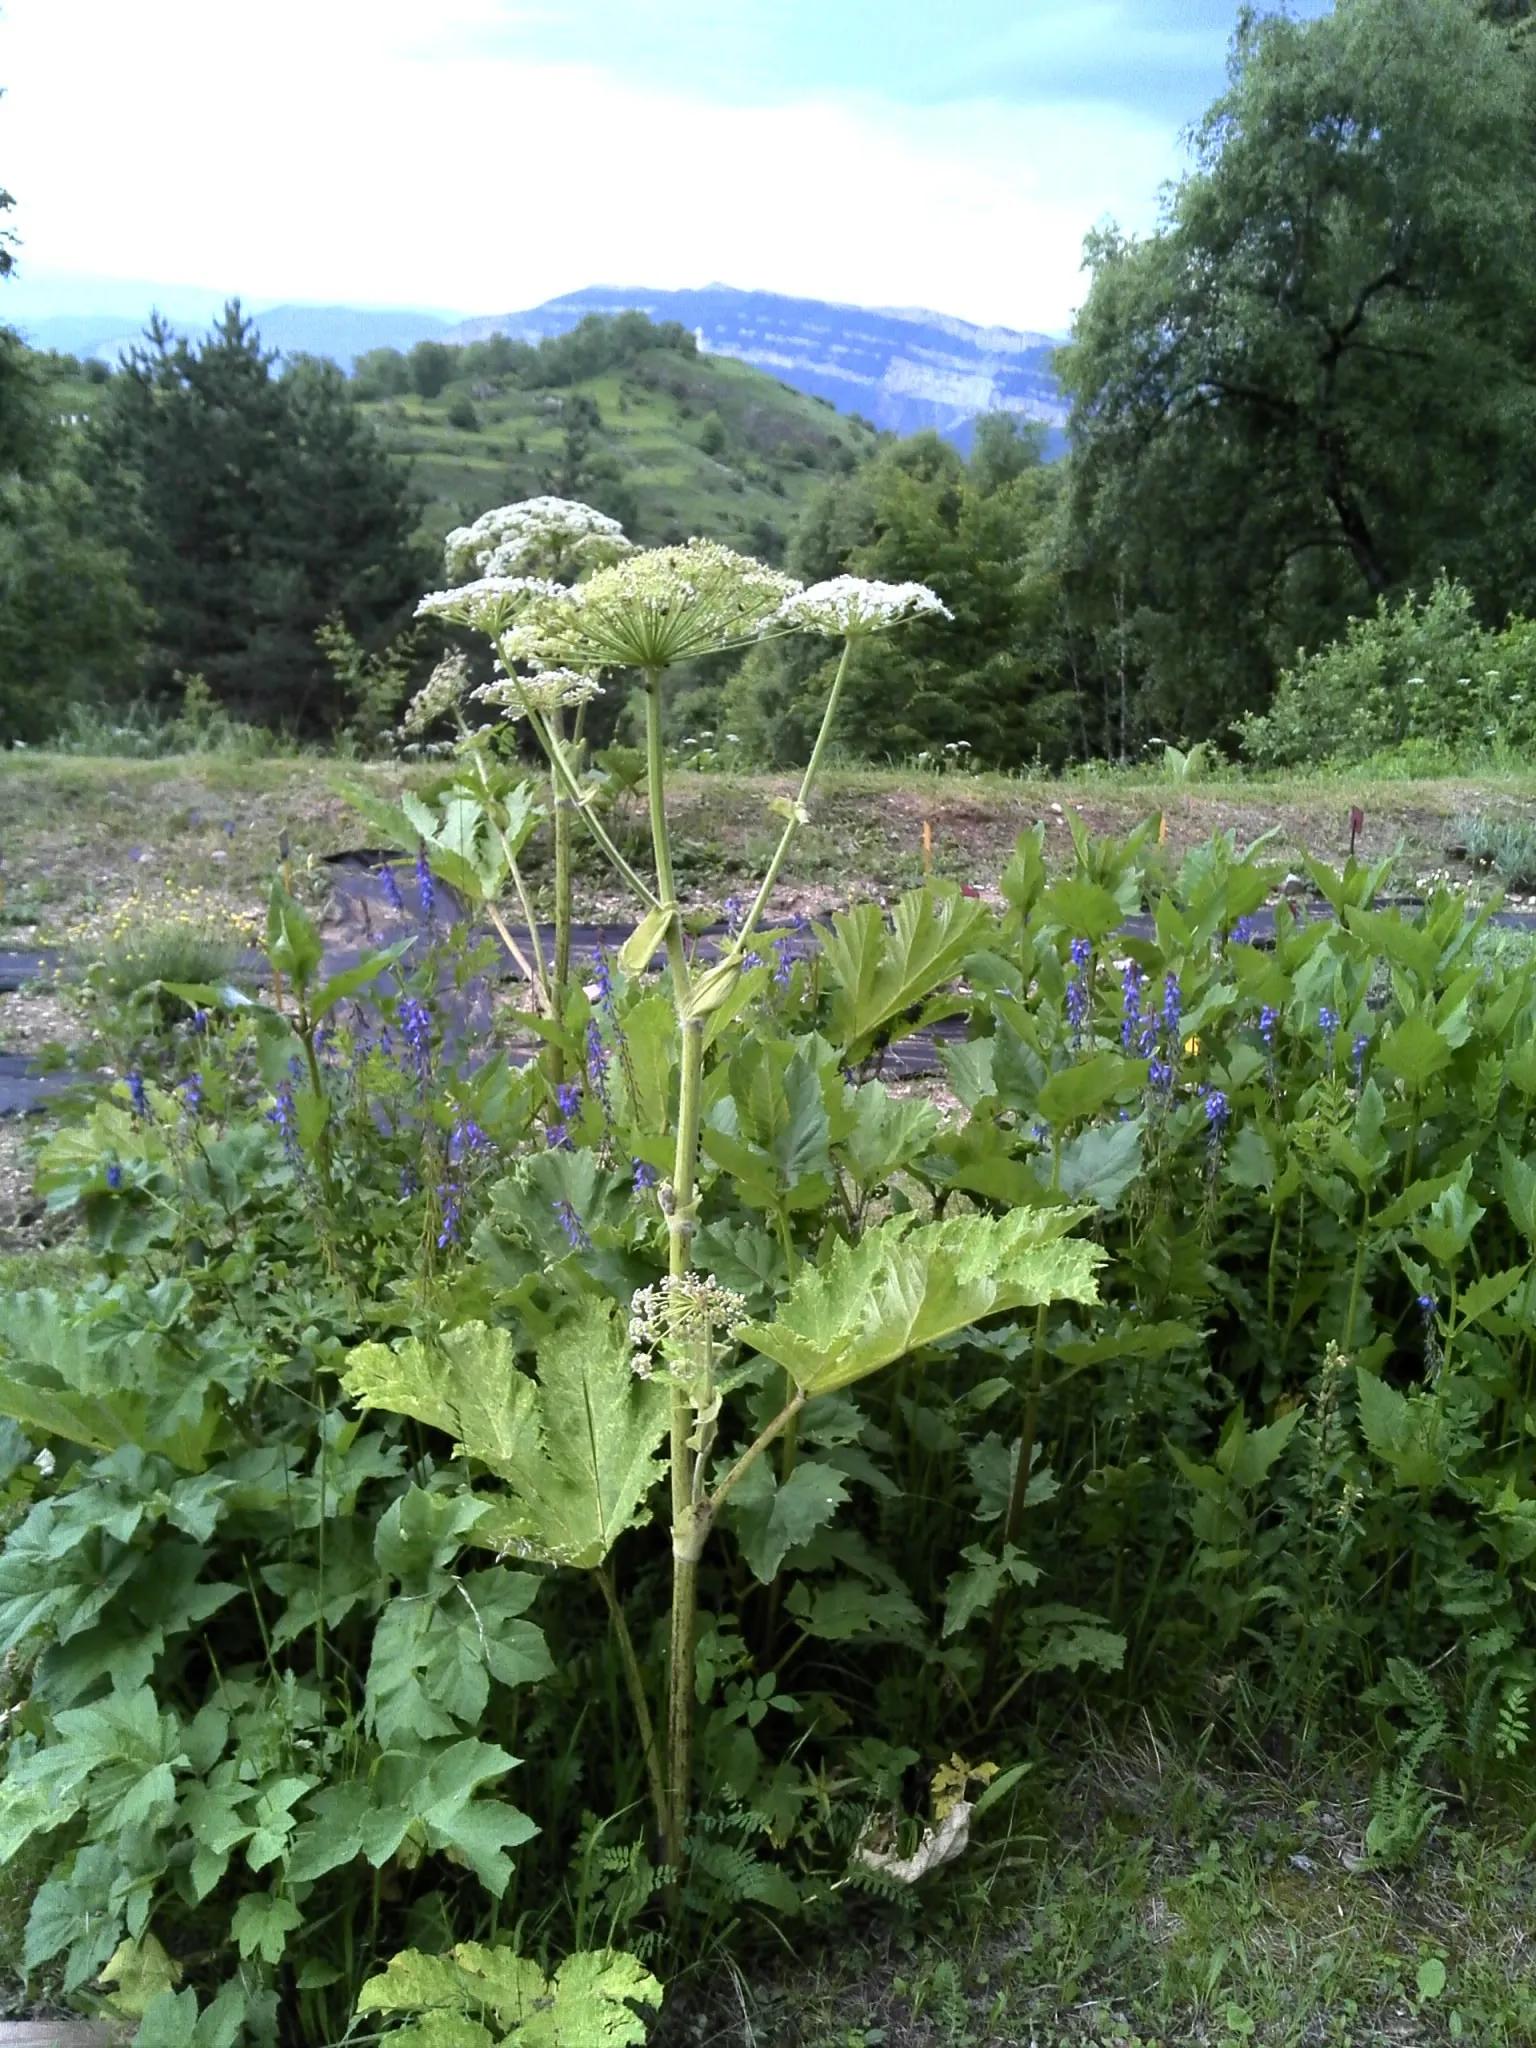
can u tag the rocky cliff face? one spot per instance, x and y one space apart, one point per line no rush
905 370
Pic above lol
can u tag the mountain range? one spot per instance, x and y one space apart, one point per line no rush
902 369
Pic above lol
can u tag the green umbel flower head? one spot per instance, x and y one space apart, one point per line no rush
655 609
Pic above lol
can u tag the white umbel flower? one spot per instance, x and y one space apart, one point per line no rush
553 689
657 608
546 536
851 606
490 604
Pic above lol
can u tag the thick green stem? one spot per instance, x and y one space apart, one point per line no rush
687 1537
792 823
661 841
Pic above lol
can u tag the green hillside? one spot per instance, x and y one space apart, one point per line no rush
670 442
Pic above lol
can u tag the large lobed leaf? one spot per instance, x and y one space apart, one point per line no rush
879 974
590 2002
575 1448
900 1288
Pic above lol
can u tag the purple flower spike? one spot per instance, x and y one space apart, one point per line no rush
192 1094
575 1234
114 1176
448 1195
391 890
783 963
137 1096
1130 1005
424 889
1173 1008
645 1176
1268 1019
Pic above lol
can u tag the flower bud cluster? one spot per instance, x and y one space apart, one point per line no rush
680 1316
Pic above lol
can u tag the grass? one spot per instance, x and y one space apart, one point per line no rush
82 835
1154 1899
778 446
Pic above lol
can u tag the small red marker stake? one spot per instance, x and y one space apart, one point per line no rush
1356 827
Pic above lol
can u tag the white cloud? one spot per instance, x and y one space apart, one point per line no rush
328 151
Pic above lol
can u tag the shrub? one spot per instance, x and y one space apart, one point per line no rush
1424 677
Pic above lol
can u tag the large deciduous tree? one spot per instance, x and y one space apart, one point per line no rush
254 504
988 682
1316 385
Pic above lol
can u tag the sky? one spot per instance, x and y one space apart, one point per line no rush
479 156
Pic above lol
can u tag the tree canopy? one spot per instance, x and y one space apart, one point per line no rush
252 505
1313 386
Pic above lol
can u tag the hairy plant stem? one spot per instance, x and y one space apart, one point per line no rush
634 1680
687 1536
792 823
661 843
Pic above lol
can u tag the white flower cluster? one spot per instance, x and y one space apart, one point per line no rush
657 608
552 536
849 606
489 604
680 1316
552 689
442 692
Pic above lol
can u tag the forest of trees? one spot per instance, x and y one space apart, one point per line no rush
1311 393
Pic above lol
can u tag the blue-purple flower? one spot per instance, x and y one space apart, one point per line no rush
284 1115
598 1057
575 1233
114 1176
1269 1018
1361 1047
645 1176
137 1096
391 889
1079 990
1328 1024
424 890
465 1139
783 962
416 1024
448 1195
192 1094
1131 987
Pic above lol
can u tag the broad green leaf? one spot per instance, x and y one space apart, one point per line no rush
1249 1161
1415 1051
1084 908
589 2003
1247 1455
850 1608
771 1520
897 1289
576 1448
1082 1090
1393 1428
975 1590
263 1923
293 945
1485 1294
351 979
433 1659
1100 1163
877 974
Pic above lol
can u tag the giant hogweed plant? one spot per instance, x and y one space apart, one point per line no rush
576 1447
